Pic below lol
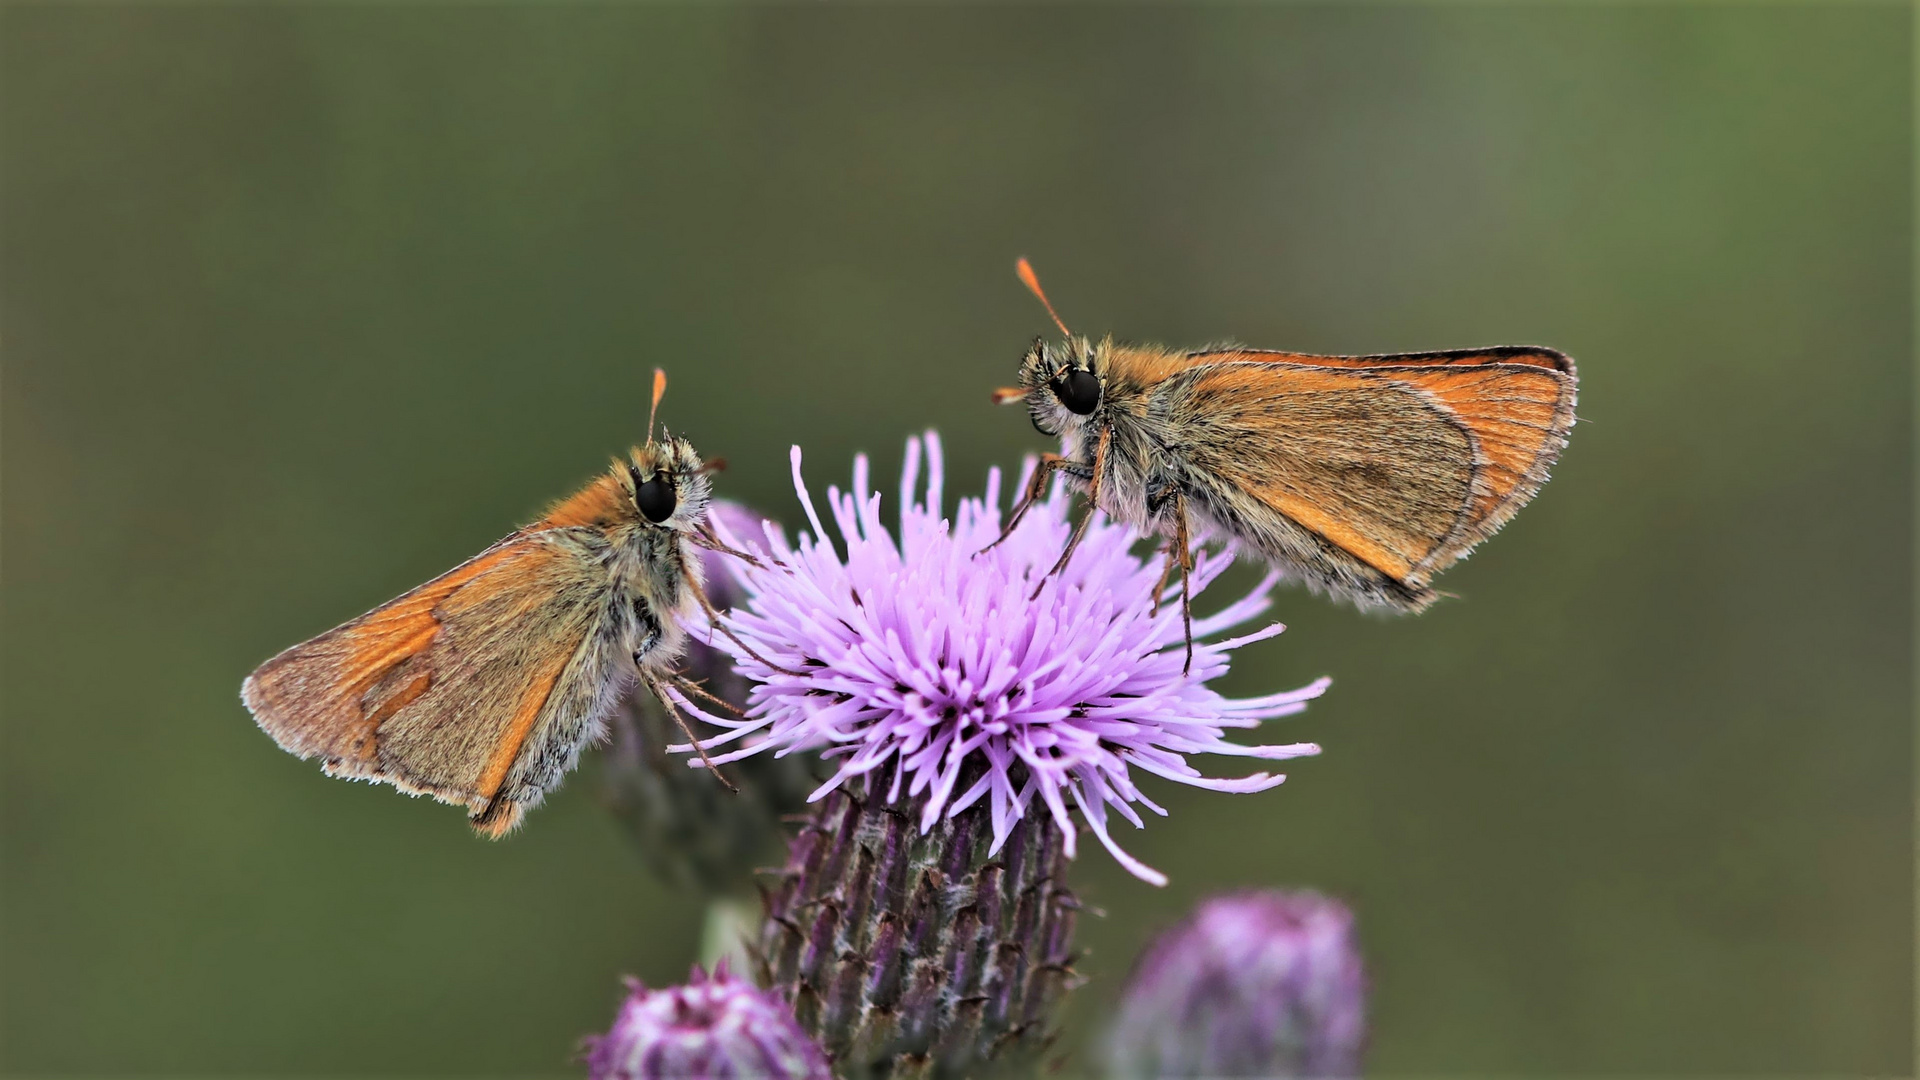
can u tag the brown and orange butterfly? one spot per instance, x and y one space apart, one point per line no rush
482 686
1361 476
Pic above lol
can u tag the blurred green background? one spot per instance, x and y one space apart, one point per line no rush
305 305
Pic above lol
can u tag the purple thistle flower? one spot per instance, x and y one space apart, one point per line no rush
1264 983
923 653
717 1027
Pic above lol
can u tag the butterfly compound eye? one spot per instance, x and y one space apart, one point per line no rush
1078 390
656 498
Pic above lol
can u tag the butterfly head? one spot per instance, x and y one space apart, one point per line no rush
1063 385
666 483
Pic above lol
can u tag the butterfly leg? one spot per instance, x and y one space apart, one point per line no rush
693 689
1166 574
686 729
1179 553
1159 493
1184 547
1036 484
1086 519
704 536
714 620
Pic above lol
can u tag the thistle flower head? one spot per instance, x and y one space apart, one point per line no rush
921 652
1263 983
716 1026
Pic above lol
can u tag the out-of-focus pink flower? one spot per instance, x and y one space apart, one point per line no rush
716 1027
1262 983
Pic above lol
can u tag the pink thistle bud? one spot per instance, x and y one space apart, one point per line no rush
1264 983
714 1027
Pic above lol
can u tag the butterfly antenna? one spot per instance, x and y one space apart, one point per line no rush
659 391
1032 282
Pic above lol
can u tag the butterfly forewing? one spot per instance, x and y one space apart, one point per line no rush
453 689
1403 461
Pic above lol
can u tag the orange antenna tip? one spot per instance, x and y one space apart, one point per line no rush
1032 281
1027 277
659 391
1007 395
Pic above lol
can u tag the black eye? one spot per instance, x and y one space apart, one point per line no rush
1078 390
656 499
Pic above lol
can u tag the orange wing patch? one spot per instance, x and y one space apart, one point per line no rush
1511 414
499 816
596 504
1306 512
1515 355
